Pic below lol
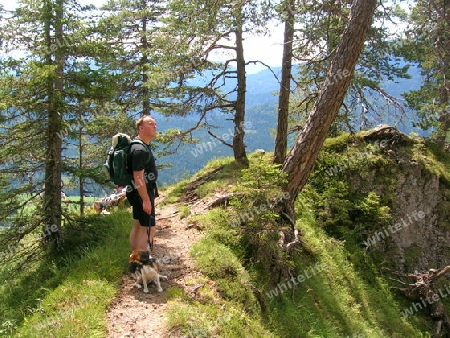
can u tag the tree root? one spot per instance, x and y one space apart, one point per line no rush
421 287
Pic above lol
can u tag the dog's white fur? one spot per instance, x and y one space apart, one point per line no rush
147 270
148 274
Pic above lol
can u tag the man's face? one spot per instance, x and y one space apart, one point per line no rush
148 128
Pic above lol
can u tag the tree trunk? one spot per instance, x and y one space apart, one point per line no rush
146 108
238 138
52 193
421 287
80 165
442 46
285 86
300 161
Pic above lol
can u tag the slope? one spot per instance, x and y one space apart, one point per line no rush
135 314
326 294
217 241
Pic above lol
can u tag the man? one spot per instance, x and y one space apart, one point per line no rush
141 194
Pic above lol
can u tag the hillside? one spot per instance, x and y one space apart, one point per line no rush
227 277
335 287
261 120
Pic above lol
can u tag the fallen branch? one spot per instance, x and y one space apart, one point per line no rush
222 200
422 288
259 297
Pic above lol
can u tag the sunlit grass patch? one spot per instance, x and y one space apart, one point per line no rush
66 293
193 319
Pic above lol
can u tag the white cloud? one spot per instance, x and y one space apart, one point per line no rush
8 5
267 49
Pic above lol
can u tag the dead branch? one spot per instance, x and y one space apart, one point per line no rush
290 246
222 200
259 297
220 140
442 272
423 290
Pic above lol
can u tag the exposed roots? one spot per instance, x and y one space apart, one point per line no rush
421 287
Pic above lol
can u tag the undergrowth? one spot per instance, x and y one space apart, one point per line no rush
65 293
334 289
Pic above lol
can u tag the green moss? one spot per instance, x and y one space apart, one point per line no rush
337 144
435 160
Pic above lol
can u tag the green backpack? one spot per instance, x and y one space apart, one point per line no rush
117 168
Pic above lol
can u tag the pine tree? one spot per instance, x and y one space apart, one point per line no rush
426 43
218 28
300 161
318 30
130 28
285 85
48 80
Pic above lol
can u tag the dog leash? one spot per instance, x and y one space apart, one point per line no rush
149 244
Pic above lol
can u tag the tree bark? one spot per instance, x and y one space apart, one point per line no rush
80 165
285 86
146 108
300 161
238 138
53 162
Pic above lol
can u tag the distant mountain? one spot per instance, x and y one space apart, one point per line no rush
261 121
261 117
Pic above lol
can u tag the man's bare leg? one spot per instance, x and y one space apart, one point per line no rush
138 236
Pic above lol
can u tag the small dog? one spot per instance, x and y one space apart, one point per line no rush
145 269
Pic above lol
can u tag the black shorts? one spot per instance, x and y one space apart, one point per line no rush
146 220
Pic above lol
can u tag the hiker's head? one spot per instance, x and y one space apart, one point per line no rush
146 128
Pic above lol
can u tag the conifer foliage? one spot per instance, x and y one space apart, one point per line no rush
51 93
427 42
71 76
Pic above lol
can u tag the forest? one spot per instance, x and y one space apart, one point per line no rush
72 75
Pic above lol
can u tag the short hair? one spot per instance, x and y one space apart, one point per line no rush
141 120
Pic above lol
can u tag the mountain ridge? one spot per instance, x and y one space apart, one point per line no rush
261 115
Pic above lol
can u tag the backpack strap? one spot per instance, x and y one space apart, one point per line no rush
137 141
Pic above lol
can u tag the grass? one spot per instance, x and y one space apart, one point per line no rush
335 289
435 159
223 178
184 211
66 295
337 300
224 286
341 293
333 298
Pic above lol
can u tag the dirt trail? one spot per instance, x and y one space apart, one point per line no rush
135 314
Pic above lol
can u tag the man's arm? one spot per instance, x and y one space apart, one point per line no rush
139 182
